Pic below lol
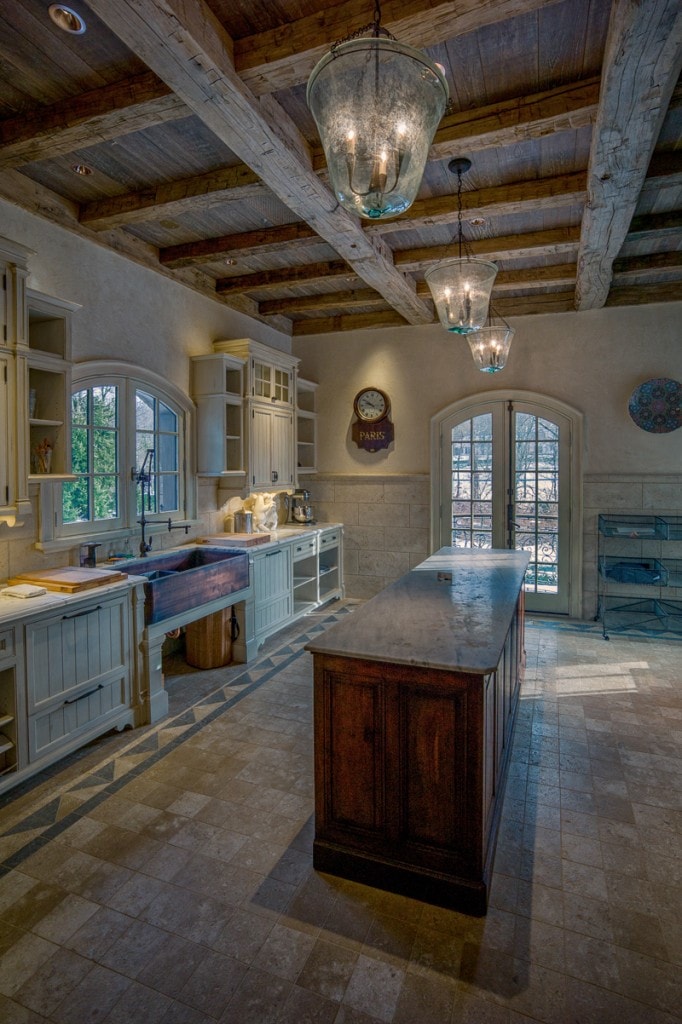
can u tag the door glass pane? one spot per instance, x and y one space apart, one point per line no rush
536 495
472 482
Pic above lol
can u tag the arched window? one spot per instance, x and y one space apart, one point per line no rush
122 415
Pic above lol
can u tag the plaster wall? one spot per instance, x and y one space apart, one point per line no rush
591 361
128 312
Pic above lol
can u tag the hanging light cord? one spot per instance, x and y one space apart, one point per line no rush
460 227
459 166
376 30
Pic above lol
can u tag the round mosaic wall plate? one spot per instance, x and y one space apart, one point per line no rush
655 405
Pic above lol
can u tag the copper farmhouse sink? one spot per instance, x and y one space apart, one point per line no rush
179 580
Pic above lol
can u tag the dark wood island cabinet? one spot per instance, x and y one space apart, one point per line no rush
415 696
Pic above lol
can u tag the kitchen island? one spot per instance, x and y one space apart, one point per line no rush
415 697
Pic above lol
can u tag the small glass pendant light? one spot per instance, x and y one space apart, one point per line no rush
490 345
461 286
377 104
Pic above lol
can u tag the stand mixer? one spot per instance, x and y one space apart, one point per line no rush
300 509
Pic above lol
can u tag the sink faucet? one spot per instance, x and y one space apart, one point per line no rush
143 478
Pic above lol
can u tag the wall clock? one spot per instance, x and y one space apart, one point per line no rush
656 405
371 404
372 428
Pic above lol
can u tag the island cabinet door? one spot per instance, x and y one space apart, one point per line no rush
434 750
397 763
349 752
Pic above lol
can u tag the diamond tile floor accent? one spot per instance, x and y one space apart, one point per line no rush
163 875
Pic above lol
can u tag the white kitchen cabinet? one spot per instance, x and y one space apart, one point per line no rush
49 386
6 491
35 387
306 427
68 673
218 390
78 674
273 601
271 456
14 500
12 731
268 394
330 565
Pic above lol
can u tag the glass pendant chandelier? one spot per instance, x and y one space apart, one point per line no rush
377 104
490 344
461 286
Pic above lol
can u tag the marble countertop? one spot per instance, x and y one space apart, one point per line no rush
451 612
283 535
14 609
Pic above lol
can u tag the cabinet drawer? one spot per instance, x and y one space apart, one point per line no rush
7 644
304 548
329 540
69 650
78 714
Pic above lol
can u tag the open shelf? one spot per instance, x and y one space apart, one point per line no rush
639 588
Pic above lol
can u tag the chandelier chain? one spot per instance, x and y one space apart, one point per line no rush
373 28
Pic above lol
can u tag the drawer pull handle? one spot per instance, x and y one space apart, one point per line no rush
87 611
270 554
83 695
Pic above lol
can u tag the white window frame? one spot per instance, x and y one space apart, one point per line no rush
129 378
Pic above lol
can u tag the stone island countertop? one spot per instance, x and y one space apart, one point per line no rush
451 612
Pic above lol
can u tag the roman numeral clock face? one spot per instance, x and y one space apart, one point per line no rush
371 405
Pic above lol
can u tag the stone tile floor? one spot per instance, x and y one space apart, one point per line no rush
164 875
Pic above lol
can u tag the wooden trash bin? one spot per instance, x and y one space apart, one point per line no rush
208 642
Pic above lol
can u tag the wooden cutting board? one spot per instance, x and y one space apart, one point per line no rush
70 581
237 540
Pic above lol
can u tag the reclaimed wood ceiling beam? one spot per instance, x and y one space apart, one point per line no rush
347 322
286 277
497 201
527 305
663 266
173 199
558 276
107 113
319 274
654 226
512 121
642 62
665 168
543 194
247 243
532 244
643 294
185 45
498 124
284 56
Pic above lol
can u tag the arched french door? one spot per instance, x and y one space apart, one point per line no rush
508 476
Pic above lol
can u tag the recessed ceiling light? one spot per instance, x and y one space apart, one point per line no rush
81 169
67 19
